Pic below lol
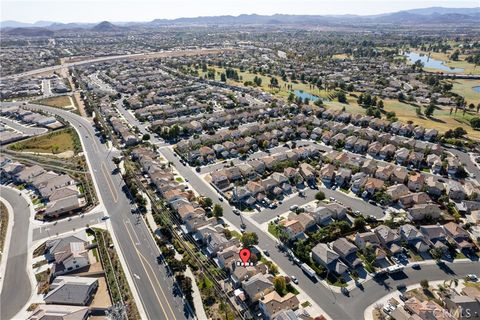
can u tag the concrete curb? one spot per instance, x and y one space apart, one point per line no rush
6 245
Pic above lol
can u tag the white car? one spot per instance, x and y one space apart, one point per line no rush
472 277
294 279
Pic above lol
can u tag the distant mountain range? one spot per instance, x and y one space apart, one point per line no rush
433 15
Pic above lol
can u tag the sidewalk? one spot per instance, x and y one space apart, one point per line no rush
197 298
6 244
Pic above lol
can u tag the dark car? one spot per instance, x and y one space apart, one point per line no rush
416 266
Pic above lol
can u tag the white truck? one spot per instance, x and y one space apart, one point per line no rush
309 271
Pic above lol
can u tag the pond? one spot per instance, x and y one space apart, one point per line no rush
476 89
302 94
430 63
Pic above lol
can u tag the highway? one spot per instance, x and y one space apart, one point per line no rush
148 55
135 242
17 287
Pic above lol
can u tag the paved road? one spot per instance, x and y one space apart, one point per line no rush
62 226
335 304
16 288
355 203
134 239
31 131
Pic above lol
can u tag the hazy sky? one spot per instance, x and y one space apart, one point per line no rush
146 10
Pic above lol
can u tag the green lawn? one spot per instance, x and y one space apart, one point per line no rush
57 102
273 229
54 142
465 89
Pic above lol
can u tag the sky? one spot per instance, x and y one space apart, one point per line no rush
147 10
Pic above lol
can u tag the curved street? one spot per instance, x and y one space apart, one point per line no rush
135 242
16 289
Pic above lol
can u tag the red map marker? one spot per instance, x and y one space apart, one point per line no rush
245 255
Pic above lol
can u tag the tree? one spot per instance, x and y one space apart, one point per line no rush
424 284
429 110
116 160
455 55
291 97
459 132
223 77
217 211
380 104
280 285
475 122
436 253
418 111
249 239
208 202
146 137
341 97
320 196
359 223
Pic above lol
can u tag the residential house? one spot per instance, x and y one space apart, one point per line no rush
457 235
401 155
416 181
389 238
77 291
342 176
324 255
369 167
399 175
463 307
412 199
453 164
414 238
435 235
387 151
307 172
397 191
347 252
455 191
272 303
427 309
434 187
327 174
258 286
384 173
423 211
69 255
373 185
59 312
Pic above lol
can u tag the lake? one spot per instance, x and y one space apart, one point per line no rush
476 89
430 63
302 94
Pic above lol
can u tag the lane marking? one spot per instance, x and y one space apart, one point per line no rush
142 258
109 183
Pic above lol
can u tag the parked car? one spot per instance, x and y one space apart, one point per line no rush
294 207
472 277
416 266
236 211
265 252
105 217
294 279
